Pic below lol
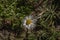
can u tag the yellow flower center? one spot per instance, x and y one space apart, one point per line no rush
29 21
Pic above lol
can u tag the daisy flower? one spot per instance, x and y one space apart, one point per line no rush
29 22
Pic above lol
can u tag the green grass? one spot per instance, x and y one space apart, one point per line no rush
12 12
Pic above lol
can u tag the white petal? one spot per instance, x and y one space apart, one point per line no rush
24 21
26 17
27 27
